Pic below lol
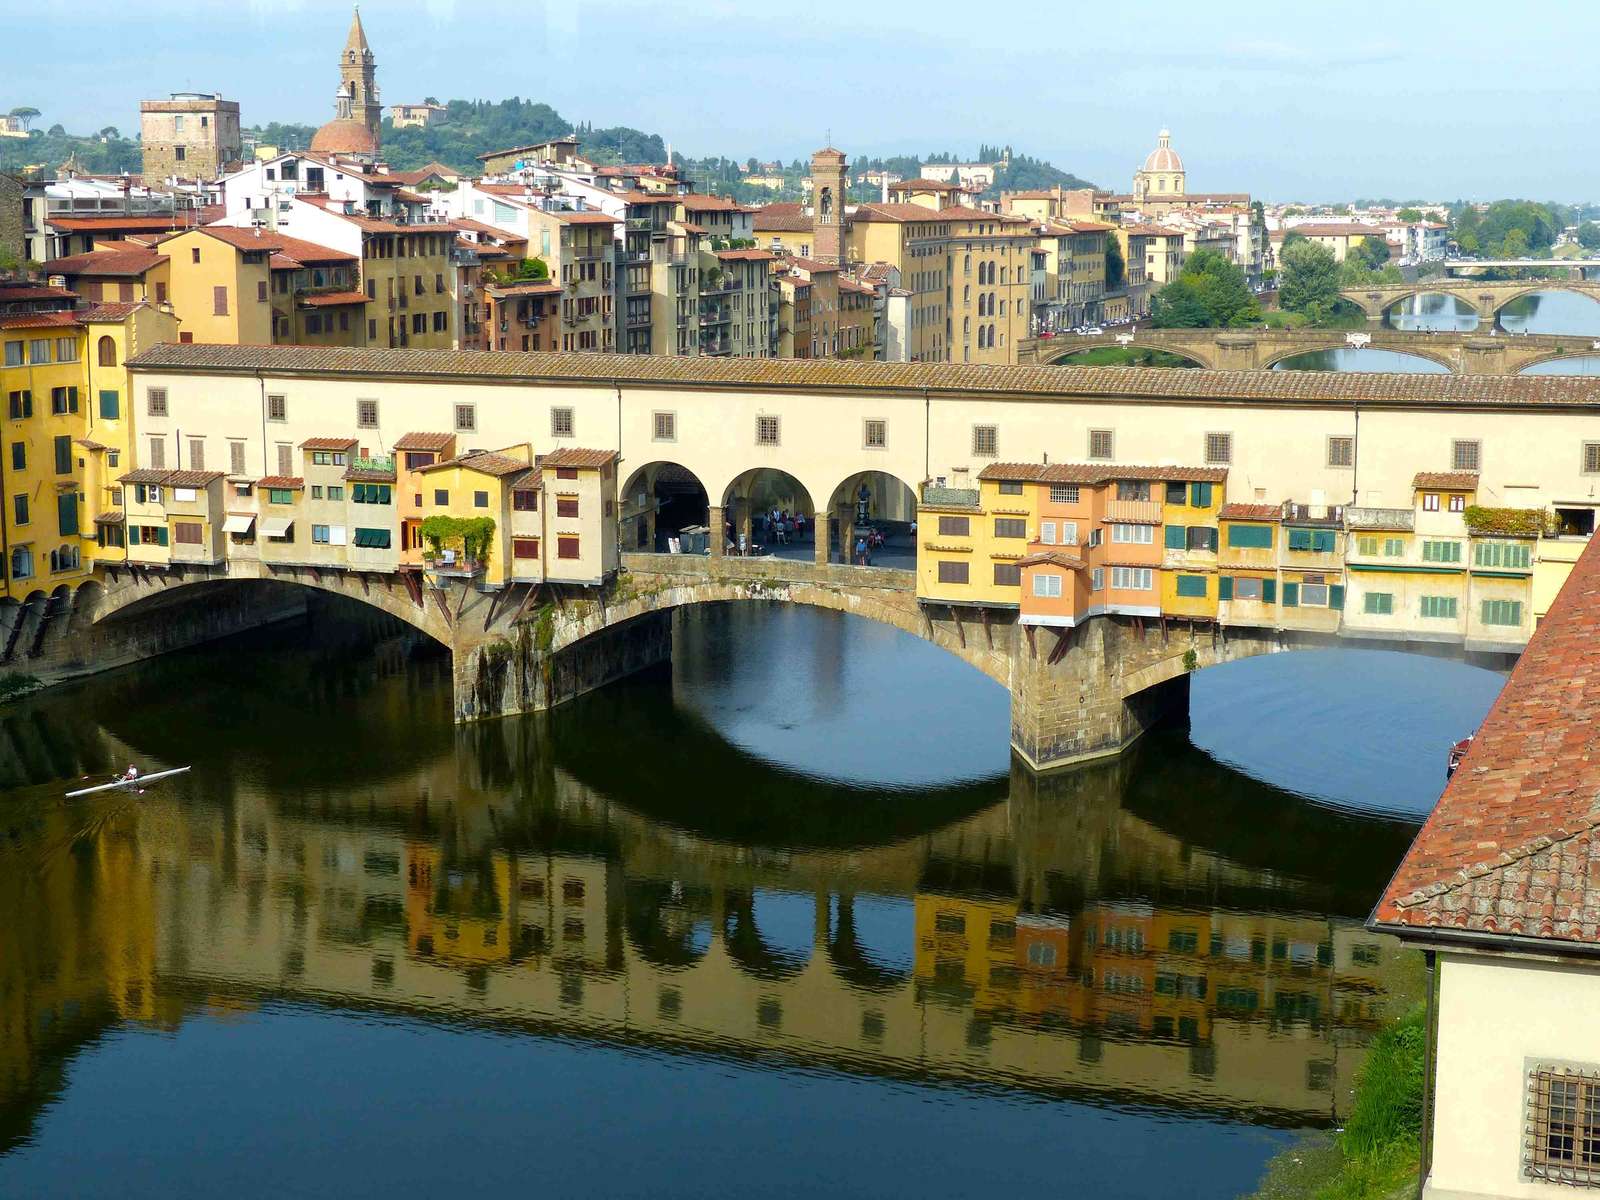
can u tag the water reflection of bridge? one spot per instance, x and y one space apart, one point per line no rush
1110 935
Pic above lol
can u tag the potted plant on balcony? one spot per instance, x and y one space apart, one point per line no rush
457 545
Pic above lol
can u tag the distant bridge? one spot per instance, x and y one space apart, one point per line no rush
1259 349
1486 296
1581 265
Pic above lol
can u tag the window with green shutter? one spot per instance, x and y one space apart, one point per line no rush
1192 586
161 535
1367 545
1200 495
1441 552
1224 587
1291 594
1394 547
372 539
1300 539
1250 537
1269 591
110 405
1176 537
1379 604
133 535
67 513
280 495
1514 555
1336 595
1324 541
1439 606
1502 612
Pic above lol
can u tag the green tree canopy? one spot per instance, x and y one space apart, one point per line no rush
1373 252
1210 292
1589 235
1310 281
1409 215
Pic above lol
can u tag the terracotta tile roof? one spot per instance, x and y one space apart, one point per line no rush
1129 384
128 261
111 516
1511 847
587 217
116 310
494 231
143 475
89 444
899 213
33 291
960 212
370 475
281 482
1151 231
425 441
698 202
767 221
532 287
1251 512
167 478
746 255
485 462
327 443
110 221
302 252
1336 229
1100 473
571 456
811 266
1460 480
333 299
46 320
239 239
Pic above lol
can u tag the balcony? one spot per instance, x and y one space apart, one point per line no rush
1400 520
1313 514
949 497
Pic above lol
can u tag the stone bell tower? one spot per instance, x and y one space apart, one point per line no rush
828 191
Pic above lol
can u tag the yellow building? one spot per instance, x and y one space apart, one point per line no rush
221 285
1074 283
915 240
971 540
858 337
1189 518
1342 238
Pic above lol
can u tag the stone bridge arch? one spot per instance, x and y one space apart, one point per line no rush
1336 341
1201 351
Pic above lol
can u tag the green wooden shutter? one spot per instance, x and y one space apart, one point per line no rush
1291 594
1176 537
161 535
1269 591
1200 495
133 535
110 406
1336 595
1225 587
67 513
383 493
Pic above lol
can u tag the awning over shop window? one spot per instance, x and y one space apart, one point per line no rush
276 527
238 523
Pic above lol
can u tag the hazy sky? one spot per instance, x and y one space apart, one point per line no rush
1289 101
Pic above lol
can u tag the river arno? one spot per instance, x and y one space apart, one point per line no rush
782 919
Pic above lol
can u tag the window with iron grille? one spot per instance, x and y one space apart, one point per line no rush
1101 443
985 441
1063 493
767 431
666 427
875 434
561 423
1219 447
952 572
1591 458
1465 456
367 414
466 418
1562 1139
277 408
156 402
1341 451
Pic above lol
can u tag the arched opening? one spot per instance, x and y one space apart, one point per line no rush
769 933
1123 356
669 924
873 521
664 510
1552 311
768 511
1344 358
106 348
1431 312
871 940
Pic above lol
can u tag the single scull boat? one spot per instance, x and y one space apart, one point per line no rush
136 781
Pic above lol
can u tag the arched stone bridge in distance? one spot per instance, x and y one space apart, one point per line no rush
1261 349
1076 694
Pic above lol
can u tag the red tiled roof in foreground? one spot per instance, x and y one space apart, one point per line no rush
1459 480
1251 512
1511 848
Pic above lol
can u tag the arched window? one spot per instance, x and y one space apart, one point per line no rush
1005 274
966 265
108 351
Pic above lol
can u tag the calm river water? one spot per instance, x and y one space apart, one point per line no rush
779 919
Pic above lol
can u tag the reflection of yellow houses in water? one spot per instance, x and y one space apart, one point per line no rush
459 912
966 945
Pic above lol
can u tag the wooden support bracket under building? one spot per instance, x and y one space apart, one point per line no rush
961 633
494 605
1059 651
988 634
466 586
444 607
527 599
366 584
1033 649
414 587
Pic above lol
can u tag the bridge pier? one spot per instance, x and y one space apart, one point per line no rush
1090 692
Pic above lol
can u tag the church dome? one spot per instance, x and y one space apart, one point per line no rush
344 136
1164 157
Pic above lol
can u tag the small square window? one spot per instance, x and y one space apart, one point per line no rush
1562 1131
1591 458
768 431
875 434
985 441
1465 455
277 408
1063 493
561 423
666 426
1341 451
1219 448
367 414
1101 443
156 402
466 418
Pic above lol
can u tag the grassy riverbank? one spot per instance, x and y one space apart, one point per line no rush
1375 1156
